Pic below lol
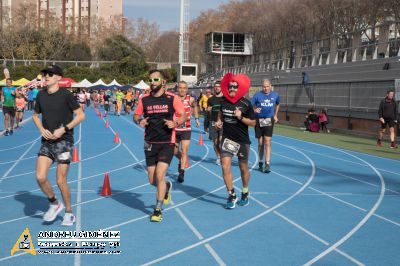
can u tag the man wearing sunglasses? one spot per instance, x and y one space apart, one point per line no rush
266 107
57 107
158 109
236 116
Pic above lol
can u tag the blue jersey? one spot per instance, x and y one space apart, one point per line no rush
267 103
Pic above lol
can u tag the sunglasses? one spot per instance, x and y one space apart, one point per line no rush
155 79
234 87
49 74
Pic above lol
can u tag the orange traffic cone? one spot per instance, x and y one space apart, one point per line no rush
187 162
116 139
101 116
97 111
107 124
75 156
201 140
106 191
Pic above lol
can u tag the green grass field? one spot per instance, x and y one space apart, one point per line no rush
360 144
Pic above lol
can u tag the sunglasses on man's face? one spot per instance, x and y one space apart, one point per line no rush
155 79
233 87
49 75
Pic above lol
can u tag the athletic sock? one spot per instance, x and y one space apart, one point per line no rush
232 192
159 204
245 190
53 200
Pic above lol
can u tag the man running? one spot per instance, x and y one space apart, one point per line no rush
9 94
266 107
388 112
158 109
183 133
237 115
214 106
57 107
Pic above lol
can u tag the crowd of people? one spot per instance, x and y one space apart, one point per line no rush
166 119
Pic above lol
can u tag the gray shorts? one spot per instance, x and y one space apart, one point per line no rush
59 151
243 153
213 133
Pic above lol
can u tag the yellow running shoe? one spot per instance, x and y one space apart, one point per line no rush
156 216
167 197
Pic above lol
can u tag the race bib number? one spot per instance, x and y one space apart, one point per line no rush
265 122
147 146
230 146
106 102
183 125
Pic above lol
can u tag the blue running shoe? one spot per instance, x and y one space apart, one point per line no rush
231 202
244 201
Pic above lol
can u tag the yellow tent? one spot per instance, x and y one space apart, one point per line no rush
20 82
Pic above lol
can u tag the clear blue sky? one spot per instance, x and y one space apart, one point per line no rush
165 12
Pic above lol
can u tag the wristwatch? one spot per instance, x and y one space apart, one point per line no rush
66 129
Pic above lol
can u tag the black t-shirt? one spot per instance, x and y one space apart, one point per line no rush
56 109
159 109
215 103
106 97
233 128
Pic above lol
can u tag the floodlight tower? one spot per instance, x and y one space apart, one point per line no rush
186 71
184 32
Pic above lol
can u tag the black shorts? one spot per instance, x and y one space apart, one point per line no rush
155 153
59 151
9 110
128 103
213 133
243 153
389 122
265 131
182 135
20 110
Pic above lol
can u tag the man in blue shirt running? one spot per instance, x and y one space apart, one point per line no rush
266 108
9 107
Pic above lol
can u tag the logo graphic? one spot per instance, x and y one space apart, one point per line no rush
24 243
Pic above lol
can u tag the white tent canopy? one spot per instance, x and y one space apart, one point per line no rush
83 84
114 83
99 83
141 85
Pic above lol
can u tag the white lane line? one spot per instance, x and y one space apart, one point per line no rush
340 200
16 162
345 160
76 180
362 222
23 122
340 174
22 145
248 221
77 257
343 150
213 253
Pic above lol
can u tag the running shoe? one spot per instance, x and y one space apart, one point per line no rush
379 143
181 176
244 201
260 166
69 219
218 161
156 216
7 133
266 168
231 202
11 132
167 197
179 166
53 211
393 145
